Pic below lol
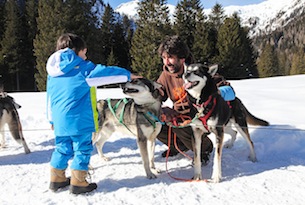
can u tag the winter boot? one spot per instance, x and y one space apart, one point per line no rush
58 179
79 184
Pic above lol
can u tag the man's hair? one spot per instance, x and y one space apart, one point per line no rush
70 40
174 45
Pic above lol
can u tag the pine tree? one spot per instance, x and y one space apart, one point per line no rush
205 38
298 63
66 16
235 50
92 35
111 59
2 15
217 16
12 45
31 13
50 25
128 29
120 46
268 62
106 34
186 16
2 24
153 24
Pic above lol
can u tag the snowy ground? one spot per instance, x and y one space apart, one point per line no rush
277 178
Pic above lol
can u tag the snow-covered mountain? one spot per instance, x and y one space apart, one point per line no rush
130 9
260 18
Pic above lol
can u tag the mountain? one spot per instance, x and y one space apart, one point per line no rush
130 9
262 18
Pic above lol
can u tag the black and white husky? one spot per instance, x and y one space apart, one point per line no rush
215 115
136 116
9 116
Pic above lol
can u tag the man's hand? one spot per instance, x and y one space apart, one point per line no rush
182 107
168 114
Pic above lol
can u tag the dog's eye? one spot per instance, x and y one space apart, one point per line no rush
197 72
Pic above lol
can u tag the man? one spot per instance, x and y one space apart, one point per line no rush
174 53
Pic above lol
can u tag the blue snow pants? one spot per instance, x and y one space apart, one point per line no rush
78 147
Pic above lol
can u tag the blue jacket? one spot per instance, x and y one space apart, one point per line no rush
71 92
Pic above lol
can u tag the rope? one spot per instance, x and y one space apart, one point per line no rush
184 154
249 127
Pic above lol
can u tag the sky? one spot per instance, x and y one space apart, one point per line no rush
278 177
205 3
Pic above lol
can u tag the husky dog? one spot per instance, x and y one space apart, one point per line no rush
9 116
137 116
215 115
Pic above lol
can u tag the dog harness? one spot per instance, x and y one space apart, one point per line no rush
149 116
208 107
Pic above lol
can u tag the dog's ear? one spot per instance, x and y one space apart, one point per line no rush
157 85
185 67
213 69
158 90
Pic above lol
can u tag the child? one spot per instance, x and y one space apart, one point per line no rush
71 104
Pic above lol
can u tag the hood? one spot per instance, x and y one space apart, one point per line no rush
62 62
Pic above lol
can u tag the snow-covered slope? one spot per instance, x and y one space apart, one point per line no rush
268 15
130 9
263 17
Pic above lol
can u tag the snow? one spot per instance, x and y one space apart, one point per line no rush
277 178
262 17
266 16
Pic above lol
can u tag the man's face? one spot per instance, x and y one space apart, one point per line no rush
172 62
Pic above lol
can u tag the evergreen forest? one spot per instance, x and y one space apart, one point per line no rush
29 30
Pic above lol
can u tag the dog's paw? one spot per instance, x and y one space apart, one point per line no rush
106 159
228 145
197 177
3 146
215 180
155 171
151 176
252 158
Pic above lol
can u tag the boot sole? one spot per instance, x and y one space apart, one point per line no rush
55 186
81 190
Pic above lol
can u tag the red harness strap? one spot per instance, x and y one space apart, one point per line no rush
208 114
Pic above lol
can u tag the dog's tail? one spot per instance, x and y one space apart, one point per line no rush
252 120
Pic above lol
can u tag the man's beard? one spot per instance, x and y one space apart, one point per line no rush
173 68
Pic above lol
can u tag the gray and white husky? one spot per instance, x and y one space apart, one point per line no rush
136 116
10 116
215 115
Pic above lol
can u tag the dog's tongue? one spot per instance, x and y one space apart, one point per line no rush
187 85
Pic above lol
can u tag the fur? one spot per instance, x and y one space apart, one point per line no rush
145 98
200 86
9 116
